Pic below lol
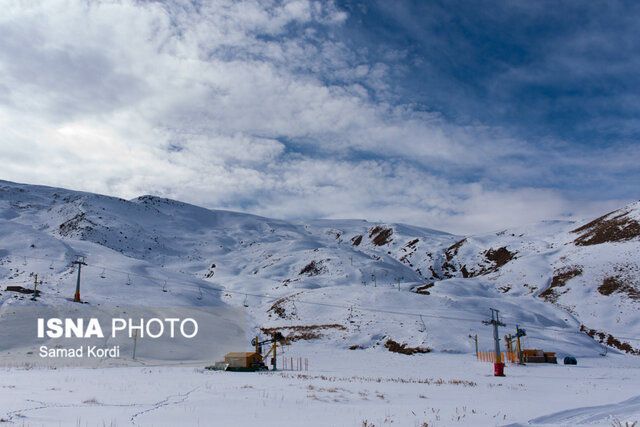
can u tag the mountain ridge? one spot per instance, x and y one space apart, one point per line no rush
153 250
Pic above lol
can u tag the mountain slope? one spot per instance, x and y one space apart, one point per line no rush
353 283
590 270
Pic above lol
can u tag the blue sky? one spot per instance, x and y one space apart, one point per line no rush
462 116
561 75
546 68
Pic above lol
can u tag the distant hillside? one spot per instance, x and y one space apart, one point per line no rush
590 270
351 282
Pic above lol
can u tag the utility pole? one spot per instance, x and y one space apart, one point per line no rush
475 339
80 262
508 339
498 366
520 333
35 289
135 343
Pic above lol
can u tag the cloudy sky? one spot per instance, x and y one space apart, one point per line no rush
467 116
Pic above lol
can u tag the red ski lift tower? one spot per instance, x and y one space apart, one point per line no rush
498 366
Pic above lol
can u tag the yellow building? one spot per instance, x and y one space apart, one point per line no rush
243 359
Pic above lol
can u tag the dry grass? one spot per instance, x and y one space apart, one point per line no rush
496 257
560 278
499 256
423 289
615 226
22 290
396 347
382 235
610 340
616 284
278 306
428 381
314 268
452 250
300 332
412 244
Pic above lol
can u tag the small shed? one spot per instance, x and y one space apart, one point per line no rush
533 356
242 359
538 356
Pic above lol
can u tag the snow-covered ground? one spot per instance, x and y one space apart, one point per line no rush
341 388
330 285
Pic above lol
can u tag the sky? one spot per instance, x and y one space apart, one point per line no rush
463 116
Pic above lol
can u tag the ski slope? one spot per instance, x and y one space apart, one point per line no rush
341 290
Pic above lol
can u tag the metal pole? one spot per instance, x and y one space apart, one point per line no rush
275 361
79 262
495 322
520 333
476 338
496 339
76 297
135 342
35 289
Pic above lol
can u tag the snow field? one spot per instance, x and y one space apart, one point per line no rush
341 388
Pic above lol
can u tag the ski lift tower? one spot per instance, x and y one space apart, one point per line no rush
498 366
80 261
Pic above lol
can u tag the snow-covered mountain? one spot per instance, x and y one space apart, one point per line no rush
590 270
353 283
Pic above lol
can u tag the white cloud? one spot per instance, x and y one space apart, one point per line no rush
231 104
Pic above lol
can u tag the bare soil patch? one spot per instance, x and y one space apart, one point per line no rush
396 347
412 244
452 250
610 340
499 256
299 332
423 289
617 284
210 272
78 223
314 268
615 226
22 290
382 235
278 307
560 278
